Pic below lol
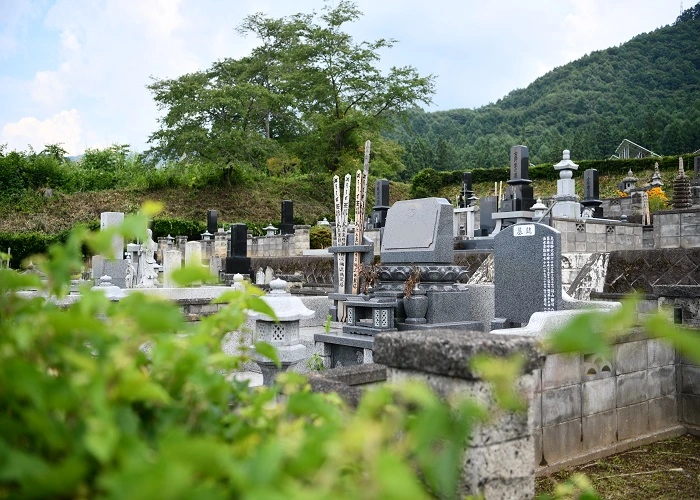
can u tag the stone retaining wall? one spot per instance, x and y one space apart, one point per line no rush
597 235
589 406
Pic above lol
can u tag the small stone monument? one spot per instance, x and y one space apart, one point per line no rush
172 261
656 178
381 203
628 183
283 334
112 265
527 262
681 188
519 196
567 204
591 195
287 225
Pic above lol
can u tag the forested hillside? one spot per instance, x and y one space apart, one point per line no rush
646 90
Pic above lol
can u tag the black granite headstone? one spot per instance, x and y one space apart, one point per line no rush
212 221
287 225
591 192
381 200
488 207
238 260
527 267
467 191
696 166
519 195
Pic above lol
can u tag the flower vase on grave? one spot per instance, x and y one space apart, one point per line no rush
416 307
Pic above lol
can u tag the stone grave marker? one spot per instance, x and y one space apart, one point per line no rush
238 260
287 225
519 194
212 221
418 231
111 219
527 263
381 203
591 194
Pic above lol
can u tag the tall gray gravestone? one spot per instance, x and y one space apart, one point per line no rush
520 195
418 231
527 266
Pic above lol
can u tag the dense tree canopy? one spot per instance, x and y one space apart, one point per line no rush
646 90
308 92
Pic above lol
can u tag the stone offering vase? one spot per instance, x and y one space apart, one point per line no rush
416 307
415 302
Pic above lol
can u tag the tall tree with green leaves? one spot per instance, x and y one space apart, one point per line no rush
307 90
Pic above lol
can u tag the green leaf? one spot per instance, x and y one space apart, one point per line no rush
265 349
101 437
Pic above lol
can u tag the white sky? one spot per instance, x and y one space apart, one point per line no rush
75 71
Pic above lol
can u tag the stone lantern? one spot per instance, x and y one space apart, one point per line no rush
270 230
538 209
283 334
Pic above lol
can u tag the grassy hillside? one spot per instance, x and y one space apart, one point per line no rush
257 204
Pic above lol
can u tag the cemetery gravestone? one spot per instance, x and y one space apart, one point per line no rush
520 194
287 226
591 194
381 200
413 232
527 262
566 199
238 260
212 221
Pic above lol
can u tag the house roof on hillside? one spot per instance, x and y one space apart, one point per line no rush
628 149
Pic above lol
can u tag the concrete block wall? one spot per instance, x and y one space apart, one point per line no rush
591 406
598 235
677 228
689 394
280 245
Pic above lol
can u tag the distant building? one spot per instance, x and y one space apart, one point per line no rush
628 149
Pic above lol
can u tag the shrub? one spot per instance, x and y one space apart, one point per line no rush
87 413
657 199
320 237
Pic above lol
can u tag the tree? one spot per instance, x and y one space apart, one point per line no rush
308 88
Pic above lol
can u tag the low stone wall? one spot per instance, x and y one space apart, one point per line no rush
677 228
588 406
315 271
280 245
598 235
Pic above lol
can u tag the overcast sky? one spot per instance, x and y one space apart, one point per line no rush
75 71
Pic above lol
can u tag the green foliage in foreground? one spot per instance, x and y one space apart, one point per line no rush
127 400
87 410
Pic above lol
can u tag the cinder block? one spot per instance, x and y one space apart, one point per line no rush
669 242
503 460
513 488
630 356
670 230
580 246
690 241
661 381
560 370
561 441
631 388
662 413
690 380
659 353
598 395
690 409
561 404
599 430
632 421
